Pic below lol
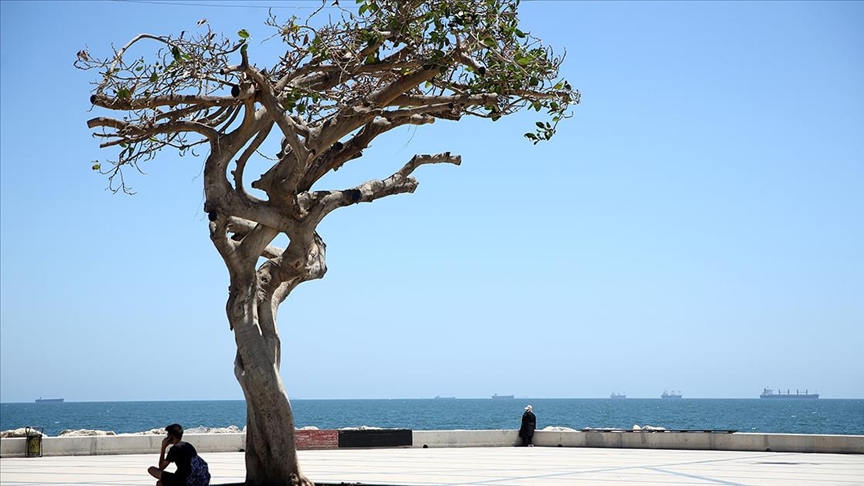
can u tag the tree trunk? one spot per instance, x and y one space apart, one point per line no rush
271 457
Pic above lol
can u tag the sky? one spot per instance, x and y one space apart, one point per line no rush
697 225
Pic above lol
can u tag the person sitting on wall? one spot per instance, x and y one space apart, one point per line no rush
191 469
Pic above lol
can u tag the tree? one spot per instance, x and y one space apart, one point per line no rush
338 86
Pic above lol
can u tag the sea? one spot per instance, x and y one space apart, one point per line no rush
821 416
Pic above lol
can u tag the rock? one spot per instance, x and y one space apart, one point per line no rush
149 432
84 433
22 432
231 429
601 429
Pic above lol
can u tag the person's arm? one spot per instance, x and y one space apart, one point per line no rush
163 462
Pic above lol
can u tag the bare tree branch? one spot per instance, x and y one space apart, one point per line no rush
244 158
114 103
130 133
325 202
272 252
463 99
338 154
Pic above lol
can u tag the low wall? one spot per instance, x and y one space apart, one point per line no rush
120 444
833 444
466 438
329 439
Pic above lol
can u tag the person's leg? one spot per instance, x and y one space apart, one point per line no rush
168 479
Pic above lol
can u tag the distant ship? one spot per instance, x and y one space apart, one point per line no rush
439 397
769 393
49 400
497 396
616 396
672 394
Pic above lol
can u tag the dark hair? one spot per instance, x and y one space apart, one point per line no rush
175 430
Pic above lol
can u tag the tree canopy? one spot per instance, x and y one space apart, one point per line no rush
337 86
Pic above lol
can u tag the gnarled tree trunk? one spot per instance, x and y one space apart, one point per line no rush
253 302
270 447
270 442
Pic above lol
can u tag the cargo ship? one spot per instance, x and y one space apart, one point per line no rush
49 400
769 393
672 394
617 396
497 396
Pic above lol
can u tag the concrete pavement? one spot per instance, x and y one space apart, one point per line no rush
495 466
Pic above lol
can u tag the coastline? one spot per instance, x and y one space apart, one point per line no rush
404 438
830 416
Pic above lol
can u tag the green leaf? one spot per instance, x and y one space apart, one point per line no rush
363 8
519 33
243 34
154 77
175 51
124 93
244 48
490 42
139 68
96 166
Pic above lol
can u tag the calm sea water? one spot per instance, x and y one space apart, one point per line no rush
745 415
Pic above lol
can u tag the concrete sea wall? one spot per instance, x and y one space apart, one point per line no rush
333 439
699 440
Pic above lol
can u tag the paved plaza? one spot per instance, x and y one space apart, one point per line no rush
495 466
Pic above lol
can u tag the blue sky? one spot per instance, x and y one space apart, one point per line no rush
698 225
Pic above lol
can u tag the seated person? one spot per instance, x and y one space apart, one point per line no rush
191 469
